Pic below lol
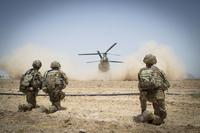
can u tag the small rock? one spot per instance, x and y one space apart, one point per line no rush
82 131
67 120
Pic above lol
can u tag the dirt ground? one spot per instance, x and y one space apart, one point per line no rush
101 114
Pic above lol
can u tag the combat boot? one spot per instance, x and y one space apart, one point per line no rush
147 116
58 106
25 107
157 120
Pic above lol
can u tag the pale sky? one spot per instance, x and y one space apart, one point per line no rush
78 26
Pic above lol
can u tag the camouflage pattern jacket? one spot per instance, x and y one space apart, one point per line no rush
157 78
31 79
54 79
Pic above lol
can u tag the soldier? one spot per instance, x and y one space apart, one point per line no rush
30 84
152 84
55 81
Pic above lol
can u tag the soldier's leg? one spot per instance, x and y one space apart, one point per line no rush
53 107
55 98
35 96
159 104
34 99
59 96
159 112
143 101
52 98
159 108
163 112
57 104
31 98
30 103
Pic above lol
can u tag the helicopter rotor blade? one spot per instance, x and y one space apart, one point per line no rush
89 54
111 47
92 61
113 54
116 61
99 54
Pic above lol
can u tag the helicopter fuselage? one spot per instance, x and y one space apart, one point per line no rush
104 66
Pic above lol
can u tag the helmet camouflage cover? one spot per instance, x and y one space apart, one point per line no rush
55 64
150 59
37 64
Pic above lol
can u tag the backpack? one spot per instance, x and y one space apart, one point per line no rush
53 79
152 79
29 79
26 78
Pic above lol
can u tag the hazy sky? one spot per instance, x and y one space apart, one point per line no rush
71 26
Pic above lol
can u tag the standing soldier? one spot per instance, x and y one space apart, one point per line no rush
55 81
152 84
30 84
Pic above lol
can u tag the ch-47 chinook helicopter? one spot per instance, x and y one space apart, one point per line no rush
104 64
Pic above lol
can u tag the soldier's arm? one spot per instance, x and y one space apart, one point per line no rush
139 79
40 76
163 75
65 78
41 79
44 84
139 74
165 78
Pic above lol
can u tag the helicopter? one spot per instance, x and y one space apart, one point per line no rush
104 62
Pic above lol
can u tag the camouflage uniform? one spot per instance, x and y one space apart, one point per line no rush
55 81
156 96
32 88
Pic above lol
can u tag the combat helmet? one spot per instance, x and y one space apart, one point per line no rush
150 59
37 64
55 65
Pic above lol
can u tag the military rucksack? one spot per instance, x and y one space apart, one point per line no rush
29 79
151 79
53 79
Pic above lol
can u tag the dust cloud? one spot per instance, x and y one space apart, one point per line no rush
16 63
166 61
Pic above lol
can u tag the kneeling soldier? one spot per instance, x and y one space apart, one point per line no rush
152 84
55 81
30 84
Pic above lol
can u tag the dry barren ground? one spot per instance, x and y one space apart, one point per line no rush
113 114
